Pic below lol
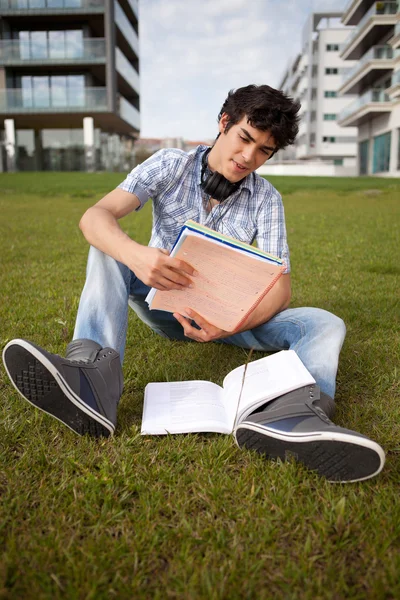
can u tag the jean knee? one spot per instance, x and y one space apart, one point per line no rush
332 326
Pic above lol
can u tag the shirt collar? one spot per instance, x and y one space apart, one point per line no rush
247 183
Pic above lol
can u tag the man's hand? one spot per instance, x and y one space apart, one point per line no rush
206 333
157 269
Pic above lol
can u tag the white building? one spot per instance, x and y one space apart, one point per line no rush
375 46
314 78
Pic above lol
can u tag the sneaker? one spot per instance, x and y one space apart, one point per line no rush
293 426
82 390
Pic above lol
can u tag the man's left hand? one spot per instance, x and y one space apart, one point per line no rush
206 333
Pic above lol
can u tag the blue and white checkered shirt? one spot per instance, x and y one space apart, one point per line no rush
172 179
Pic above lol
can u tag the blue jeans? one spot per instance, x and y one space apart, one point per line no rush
315 334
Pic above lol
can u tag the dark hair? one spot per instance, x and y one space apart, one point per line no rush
266 109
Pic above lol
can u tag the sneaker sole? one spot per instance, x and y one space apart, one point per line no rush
341 458
39 382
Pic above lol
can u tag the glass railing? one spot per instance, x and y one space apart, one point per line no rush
378 8
128 113
395 78
48 100
125 68
124 25
24 51
49 5
135 6
375 53
369 97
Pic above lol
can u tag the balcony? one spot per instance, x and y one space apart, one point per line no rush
394 90
354 11
26 53
372 102
49 7
127 72
375 63
18 101
126 28
128 113
377 22
395 41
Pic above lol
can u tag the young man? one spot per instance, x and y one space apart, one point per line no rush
217 187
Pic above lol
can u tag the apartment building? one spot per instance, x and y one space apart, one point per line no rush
314 77
69 84
374 44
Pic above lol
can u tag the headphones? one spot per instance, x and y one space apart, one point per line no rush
215 184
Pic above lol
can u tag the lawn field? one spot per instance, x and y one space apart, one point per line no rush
193 517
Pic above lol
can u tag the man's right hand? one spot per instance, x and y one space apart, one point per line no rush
157 269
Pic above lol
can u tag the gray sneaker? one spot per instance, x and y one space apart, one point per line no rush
81 390
294 426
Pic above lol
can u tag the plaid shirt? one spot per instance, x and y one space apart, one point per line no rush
172 179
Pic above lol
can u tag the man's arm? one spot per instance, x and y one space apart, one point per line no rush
153 266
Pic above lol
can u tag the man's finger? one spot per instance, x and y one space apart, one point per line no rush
198 319
180 265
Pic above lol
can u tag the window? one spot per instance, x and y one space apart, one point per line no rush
363 152
381 157
51 44
329 117
332 47
331 71
54 91
338 162
331 140
330 94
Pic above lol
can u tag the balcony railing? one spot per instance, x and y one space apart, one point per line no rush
23 52
375 53
395 78
48 100
129 113
125 68
369 97
378 8
125 26
32 6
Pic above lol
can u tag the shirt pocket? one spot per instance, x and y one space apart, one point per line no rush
239 232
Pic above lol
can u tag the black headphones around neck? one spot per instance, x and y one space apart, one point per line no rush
215 184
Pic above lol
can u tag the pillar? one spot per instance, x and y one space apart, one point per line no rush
88 141
9 143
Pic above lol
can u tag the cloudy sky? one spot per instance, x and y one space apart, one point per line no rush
194 51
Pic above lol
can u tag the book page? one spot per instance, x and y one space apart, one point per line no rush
183 407
230 281
266 379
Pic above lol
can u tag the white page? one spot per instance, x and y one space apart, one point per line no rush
183 407
266 378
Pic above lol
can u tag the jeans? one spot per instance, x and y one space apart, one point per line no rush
314 334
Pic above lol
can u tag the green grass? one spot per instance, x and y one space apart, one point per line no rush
193 517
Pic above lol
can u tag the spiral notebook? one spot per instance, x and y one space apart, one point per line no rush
233 277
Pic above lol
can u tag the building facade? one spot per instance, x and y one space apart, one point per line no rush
314 78
375 46
69 84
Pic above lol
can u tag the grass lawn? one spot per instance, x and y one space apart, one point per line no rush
190 517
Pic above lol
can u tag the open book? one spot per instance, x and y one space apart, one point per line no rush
195 406
233 277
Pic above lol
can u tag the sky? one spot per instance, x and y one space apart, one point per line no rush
193 52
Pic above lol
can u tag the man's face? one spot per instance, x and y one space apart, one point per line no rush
241 150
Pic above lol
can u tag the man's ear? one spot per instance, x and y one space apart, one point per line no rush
223 122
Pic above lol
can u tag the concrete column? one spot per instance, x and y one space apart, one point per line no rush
111 73
394 144
9 143
88 140
38 150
